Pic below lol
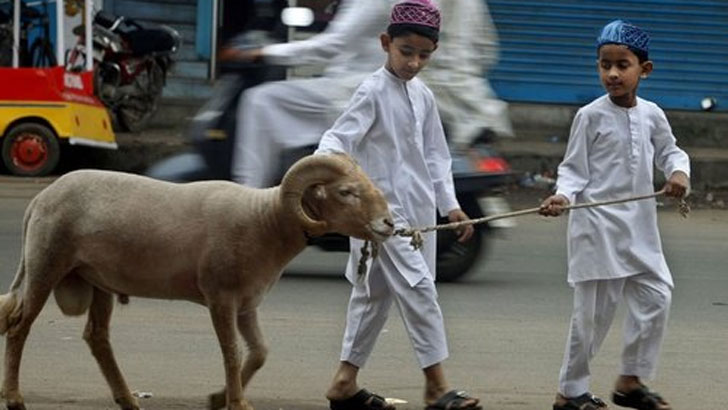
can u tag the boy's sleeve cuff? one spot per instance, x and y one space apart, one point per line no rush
668 173
568 195
448 207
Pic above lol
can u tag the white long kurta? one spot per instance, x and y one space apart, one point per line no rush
610 155
392 128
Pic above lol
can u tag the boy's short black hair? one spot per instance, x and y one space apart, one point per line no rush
642 56
399 30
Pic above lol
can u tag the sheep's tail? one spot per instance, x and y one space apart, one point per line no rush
10 305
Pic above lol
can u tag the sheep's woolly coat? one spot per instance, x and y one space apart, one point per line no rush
93 234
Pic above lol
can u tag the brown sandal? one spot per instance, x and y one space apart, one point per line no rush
455 400
586 401
641 399
362 400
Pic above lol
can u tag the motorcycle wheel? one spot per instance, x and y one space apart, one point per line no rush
30 149
134 113
455 259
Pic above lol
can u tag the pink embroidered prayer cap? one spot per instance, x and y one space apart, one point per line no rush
417 12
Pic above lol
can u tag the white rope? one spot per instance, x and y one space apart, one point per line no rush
418 241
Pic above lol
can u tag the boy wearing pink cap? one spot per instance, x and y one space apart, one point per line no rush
392 128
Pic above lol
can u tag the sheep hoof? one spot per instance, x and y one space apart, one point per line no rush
240 405
13 403
127 404
216 401
15 406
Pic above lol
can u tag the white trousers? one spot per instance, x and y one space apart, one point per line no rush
648 303
417 305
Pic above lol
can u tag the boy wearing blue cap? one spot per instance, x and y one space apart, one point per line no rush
614 251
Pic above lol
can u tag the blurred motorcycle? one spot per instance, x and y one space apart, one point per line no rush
131 62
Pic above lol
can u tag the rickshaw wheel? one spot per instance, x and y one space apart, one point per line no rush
30 149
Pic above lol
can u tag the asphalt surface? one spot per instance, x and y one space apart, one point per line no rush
506 322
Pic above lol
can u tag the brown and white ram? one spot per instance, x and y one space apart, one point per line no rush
93 234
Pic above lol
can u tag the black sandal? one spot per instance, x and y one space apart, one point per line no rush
454 400
640 399
586 401
362 400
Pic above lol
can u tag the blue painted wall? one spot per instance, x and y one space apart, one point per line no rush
548 49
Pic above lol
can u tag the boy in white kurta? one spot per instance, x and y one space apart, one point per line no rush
392 128
615 251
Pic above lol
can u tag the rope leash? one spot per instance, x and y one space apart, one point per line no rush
416 233
417 239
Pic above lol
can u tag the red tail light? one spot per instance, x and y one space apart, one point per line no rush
493 164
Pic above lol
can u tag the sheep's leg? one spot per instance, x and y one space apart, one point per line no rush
223 320
257 352
96 335
33 300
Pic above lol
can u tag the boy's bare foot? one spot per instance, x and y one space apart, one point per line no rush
341 390
344 384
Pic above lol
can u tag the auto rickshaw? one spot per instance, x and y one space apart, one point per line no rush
43 108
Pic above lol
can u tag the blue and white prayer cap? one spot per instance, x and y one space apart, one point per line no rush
620 32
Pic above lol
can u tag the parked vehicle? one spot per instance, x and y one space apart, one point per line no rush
131 62
43 108
477 173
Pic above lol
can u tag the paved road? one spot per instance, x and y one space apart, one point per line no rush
507 324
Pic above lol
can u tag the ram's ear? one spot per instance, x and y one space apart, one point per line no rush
319 192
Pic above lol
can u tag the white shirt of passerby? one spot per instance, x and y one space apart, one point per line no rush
392 128
348 45
458 72
611 154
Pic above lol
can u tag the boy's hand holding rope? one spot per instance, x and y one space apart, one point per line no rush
416 233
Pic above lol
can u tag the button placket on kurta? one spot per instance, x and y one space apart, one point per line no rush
414 122
635 133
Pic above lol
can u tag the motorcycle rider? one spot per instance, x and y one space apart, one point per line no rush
280 115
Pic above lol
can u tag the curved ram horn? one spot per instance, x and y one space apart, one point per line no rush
311 170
